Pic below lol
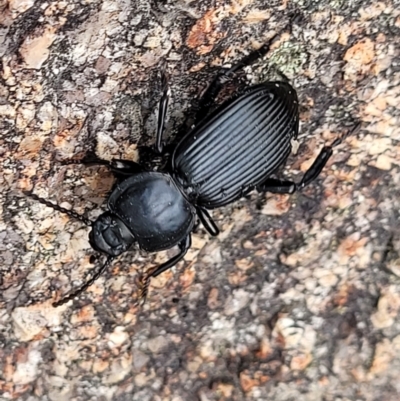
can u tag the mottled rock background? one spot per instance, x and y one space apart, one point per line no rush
297 299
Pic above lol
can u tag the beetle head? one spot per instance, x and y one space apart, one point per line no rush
110 235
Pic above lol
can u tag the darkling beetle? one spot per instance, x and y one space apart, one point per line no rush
227 153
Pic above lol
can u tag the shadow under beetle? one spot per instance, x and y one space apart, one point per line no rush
227 154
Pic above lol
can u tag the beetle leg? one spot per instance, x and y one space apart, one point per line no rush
326 152
162 113
117 166
277 186
125 167
144 281
319 163
90 159
289 187
207 221
207 99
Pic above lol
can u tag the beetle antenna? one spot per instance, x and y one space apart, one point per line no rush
61 209
97 273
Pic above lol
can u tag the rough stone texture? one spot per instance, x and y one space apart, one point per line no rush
297 299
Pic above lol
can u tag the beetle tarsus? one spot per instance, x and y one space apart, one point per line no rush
315 170
326 152
184 247
349 132
90 159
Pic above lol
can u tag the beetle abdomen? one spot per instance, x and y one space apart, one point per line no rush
239 146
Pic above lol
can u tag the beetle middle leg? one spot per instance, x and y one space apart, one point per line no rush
149 153
144 281
207 221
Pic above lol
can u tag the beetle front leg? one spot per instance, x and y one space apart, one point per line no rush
117 166
125 167
162 113
144 281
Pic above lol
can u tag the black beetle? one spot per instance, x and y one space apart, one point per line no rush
226 154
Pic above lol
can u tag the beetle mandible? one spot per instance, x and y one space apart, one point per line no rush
225 155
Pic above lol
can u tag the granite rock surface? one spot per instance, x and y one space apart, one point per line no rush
297 299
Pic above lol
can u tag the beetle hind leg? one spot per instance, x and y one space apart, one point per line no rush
289 187
144 281
210 94
277 186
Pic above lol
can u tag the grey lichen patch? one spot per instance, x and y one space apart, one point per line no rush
128 116
288 59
